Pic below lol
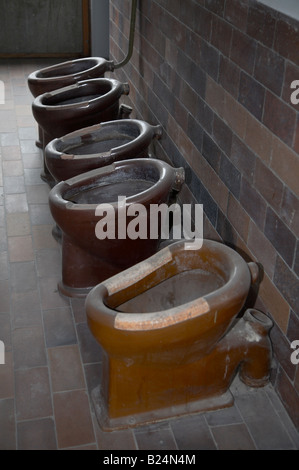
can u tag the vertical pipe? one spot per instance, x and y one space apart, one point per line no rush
131 37
85 27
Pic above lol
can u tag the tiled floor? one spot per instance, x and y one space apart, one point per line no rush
51 360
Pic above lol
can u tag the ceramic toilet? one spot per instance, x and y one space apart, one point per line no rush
88 258
76 106
64 74
174 335
99 145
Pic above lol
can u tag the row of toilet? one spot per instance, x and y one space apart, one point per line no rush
170 320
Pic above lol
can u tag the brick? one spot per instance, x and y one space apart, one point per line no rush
228 233
172 28
253 203
293 327
213 183
210 206
229 76
164 94
287 283
258 138
192 73
289 211
243 51
286 41
238 217
216 6
261 24
279 118
171 53
280 236
185 12
204 115
296 383
195 132
268 185
262 249
269 69
185 145
230 175
285 163
211 152
296 139
193 46
275 302
222 134
180 114
236 12
221 35
203 22
235 115
209 60
251 95
243 158
215 96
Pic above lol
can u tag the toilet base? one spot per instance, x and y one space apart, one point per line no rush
48 178
75 292
106 423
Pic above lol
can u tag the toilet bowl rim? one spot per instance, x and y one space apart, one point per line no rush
99 61
96 305
167 176
146 132
117 88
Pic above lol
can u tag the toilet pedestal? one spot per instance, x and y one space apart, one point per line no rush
136 393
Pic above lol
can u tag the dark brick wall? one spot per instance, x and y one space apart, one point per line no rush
216 75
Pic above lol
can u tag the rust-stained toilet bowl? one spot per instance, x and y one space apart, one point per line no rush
171 340
65 74
83 104
77 208
98 146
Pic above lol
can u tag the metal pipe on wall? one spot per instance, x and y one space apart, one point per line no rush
131 36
